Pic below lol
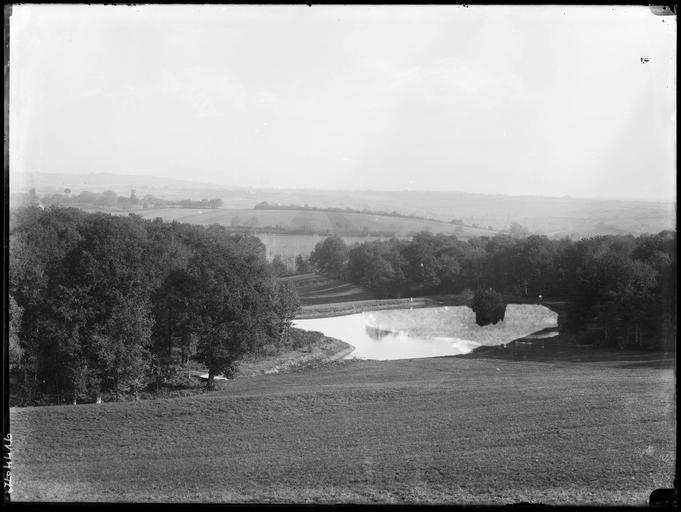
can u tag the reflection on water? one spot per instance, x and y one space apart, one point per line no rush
427 332
376 334
542 335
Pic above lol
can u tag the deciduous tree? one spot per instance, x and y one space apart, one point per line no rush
329 256
489 307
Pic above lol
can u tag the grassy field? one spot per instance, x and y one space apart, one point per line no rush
314 289
324 297
563 348
313 221
467 430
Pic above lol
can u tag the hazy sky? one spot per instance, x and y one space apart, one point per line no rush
547 100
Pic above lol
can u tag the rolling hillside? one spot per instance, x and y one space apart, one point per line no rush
306 221
553 216
443 430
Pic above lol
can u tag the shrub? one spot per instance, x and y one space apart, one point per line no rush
489 307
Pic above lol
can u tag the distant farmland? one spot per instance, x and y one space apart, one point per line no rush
311 221
552 216
309 227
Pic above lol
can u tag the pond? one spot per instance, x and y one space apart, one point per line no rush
428 332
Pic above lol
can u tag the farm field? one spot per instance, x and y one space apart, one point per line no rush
553 216
441 430
312 221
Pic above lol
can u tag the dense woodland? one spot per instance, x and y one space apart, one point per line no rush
105 306
620 290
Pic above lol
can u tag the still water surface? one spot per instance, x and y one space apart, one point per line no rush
427 332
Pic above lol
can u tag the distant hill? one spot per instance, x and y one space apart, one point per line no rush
553 216
312 222
51 183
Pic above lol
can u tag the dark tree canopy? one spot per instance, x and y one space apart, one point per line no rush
278 266
329 256
489 307
302 264
105 306
620 287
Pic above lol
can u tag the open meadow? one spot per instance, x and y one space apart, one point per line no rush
440 430
341 223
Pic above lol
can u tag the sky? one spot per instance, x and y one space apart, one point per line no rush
549 101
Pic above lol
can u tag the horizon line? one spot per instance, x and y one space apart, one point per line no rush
264 188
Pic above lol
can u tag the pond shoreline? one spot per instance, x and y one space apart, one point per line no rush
560 348
360 306
425 329
323 350
349 308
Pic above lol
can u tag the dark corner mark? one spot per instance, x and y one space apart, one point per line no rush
664 10
664 497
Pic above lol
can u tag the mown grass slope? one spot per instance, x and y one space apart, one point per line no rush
314 289
441 430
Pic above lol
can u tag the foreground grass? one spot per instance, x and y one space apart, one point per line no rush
564 349
440 430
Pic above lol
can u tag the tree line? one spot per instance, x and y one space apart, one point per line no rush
109 199
104 306
619 289
264 205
